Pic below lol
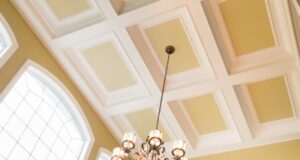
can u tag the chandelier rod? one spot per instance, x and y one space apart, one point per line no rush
169 50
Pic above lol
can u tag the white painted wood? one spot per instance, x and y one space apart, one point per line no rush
56 27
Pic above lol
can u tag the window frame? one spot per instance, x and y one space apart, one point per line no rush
65 93
9 38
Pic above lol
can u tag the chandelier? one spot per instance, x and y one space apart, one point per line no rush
153 148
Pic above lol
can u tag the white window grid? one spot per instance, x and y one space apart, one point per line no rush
2 44
36 123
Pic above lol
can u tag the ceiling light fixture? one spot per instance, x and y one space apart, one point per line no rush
153 148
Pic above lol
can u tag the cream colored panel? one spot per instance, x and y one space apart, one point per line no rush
144 121
108 66
205 114
248 25
271 99
66 8
172 33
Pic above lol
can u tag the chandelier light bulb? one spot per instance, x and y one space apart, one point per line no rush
155 138
129 140
183 158
118 154
179 148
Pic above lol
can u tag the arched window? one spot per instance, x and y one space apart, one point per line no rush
8 43
38 120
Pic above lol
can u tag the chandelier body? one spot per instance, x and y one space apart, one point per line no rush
153 148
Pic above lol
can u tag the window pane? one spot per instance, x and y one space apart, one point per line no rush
2 44
37 123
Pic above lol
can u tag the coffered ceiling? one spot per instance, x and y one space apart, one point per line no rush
234 77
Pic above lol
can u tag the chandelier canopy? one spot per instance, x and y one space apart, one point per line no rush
153 148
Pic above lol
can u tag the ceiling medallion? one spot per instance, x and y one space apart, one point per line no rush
153 148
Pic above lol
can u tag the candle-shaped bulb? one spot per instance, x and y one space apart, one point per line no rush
129 140
155 137
118 154
179 148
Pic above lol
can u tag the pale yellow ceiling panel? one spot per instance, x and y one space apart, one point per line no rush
108 66
248 25
205 114
172 33
66 8
271 99
144 121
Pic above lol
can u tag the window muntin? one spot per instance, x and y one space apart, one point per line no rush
5 40
37 123
2 44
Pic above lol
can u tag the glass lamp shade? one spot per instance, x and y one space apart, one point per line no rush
183 158
129 140
155 138
179 148
118 154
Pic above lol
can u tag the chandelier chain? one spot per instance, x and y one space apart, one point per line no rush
162 92
153 148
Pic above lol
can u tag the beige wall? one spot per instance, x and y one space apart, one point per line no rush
31 48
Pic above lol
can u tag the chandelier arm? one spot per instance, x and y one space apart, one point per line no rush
162 92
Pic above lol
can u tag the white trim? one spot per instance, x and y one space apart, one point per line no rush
139 89
220 138
65 93
56 27
201 73
277 127
282 29
9 39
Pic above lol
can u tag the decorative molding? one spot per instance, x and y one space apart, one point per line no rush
56 27
221 138
280 20
278 127
204 72
108 97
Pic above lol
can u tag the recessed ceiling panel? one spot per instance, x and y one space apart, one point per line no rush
66 8
271 99
144 121
173 33
108 66
205 114
248 25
